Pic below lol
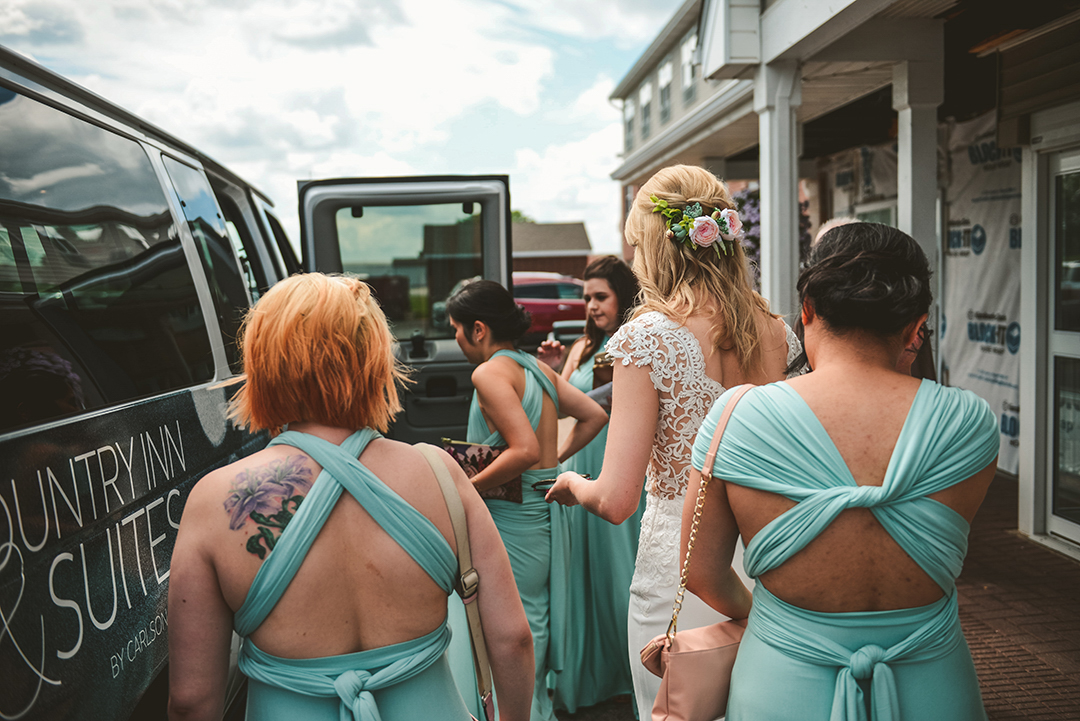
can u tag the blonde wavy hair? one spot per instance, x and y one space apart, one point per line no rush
679 281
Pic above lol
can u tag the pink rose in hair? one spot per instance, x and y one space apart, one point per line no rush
705 231
734 224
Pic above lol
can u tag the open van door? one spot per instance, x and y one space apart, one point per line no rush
416 241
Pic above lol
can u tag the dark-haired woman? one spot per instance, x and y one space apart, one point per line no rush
517 404
855 514
602 554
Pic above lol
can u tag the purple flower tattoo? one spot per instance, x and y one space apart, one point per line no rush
268 495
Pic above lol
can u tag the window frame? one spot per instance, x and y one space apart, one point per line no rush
646 89
666 68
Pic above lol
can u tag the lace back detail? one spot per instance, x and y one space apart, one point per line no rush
677 369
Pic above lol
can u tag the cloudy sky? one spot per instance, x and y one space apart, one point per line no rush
280 90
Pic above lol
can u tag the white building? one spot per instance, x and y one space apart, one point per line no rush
956 120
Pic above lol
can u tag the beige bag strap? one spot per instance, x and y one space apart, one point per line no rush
706 476
468 582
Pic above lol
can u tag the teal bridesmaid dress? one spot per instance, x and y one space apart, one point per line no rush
602 559
409 681
909 664
537 542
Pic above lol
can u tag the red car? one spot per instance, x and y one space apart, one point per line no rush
549 297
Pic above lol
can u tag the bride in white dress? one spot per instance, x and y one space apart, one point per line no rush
699 328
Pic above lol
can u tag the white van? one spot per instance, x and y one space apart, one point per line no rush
127 261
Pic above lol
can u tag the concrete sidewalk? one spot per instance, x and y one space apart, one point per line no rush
1020 609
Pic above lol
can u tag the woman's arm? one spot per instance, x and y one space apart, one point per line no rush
591 418
502 406
711 576
614 496
506 629
200 622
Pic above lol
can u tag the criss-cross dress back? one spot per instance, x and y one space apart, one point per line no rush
537 385
775 443
351 677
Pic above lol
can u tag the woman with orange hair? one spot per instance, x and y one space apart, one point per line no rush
699 328
341 598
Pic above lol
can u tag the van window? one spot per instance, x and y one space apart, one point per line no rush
292 265
244 245
97 302
227 285
412 257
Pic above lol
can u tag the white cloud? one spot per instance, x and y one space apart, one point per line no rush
593 104
570 182
284 89
628 22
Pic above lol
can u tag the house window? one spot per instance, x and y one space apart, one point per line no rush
629 110
689 70
666 72
645 99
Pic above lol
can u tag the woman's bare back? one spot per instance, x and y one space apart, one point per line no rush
854 564
356 588
547 430
723 366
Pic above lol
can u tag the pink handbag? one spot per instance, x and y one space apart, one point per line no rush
695 665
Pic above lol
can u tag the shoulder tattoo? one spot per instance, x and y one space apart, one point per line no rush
269 495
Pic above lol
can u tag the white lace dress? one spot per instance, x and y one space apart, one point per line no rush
677 368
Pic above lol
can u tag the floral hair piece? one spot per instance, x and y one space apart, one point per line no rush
694 229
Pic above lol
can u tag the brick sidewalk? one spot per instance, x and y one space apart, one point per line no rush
1020 609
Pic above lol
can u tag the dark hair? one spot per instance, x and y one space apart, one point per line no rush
623 282
865 277
488 302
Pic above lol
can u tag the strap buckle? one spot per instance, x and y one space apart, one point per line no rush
467 584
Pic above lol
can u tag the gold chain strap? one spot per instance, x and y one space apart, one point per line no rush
686 563
706 476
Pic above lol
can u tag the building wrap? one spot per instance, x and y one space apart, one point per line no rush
980 330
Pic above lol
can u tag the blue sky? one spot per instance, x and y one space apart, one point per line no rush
281 90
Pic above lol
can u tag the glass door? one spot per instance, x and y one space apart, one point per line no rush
1063 499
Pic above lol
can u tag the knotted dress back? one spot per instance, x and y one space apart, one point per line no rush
350 677
774 442
537 385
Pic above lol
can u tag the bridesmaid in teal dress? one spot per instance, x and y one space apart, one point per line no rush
517 404
853 487
602 554
330 551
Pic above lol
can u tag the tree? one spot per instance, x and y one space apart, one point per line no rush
516 216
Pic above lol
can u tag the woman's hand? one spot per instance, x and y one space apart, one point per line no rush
551 352
562 492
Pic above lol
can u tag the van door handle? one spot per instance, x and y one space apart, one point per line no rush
441 400
564 306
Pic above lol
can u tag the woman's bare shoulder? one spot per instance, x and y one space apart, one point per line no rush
573 355
499 369
254 484
776 331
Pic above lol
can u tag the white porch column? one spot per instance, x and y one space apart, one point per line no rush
777 93
918 90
